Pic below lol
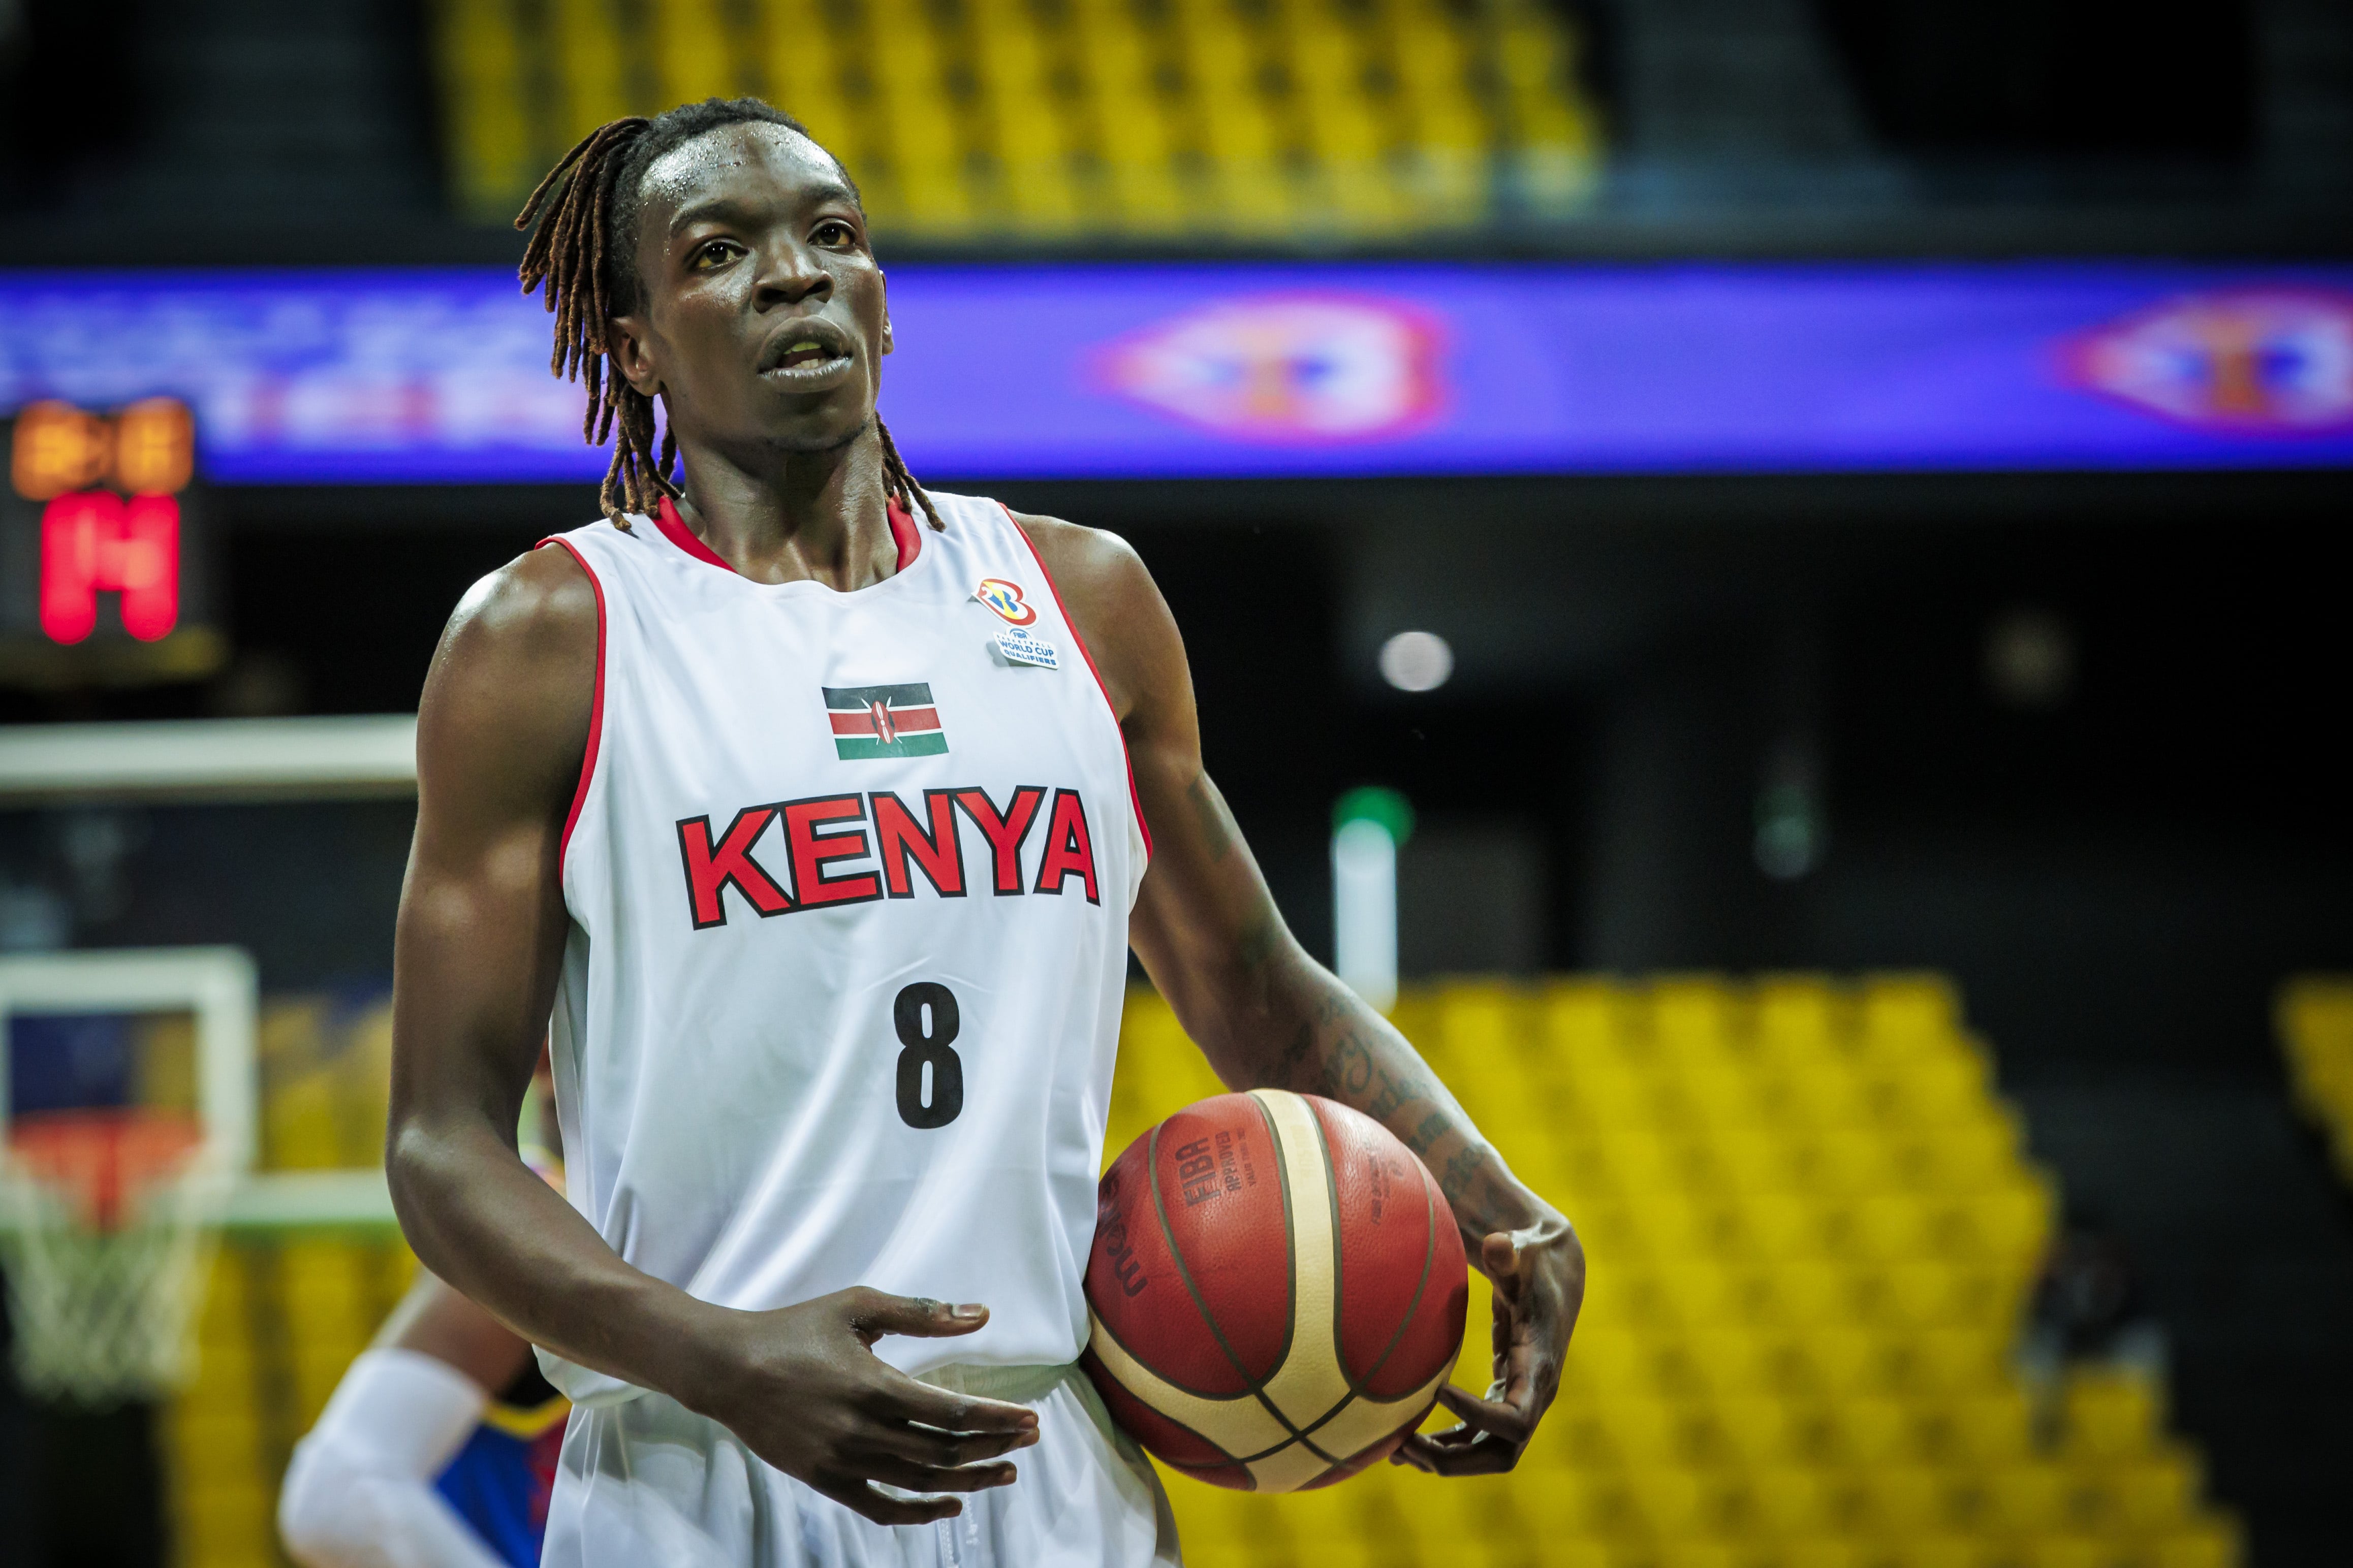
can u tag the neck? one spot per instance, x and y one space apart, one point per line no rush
820 516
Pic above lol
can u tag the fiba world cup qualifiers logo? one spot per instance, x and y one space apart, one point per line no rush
2245 361
1290 369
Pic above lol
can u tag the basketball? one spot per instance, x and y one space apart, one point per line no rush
1276 1291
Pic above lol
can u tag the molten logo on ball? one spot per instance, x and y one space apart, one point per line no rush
1277 1290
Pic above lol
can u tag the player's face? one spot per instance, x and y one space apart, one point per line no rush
762 321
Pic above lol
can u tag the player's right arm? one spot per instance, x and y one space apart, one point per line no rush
501 731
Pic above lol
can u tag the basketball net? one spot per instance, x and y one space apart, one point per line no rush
108 1220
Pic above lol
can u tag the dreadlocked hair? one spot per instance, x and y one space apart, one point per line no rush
583 259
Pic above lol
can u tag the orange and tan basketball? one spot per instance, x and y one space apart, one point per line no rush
1276 1291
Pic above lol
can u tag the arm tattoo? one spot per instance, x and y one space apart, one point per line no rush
1396 1094
1345 1053
1455 1180
1348 1069
1432 1127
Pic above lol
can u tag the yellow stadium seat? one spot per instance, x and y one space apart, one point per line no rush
1610 1230
1641 1162
1718 1095
1953 1361
1928 1088
1700 1293
1887 1227
2026 1498
1930 1550
1869 1432
1590 1505
1903 1501
2145 1496
1321 1525
1919 1292
2207 1544
1901 1009
1780 1227
2065 1549
1844 1161
694 53
1827 1551
1827 1095
2111 1413
1804 1013
1672 1224
1787 1501
1833 1361
1957 1156
1672 1501
1986 1428
1694 1016
1753 1159
1691 1553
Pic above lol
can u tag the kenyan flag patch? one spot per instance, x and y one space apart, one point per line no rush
884 721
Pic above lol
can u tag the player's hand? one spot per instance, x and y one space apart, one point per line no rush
803 1389
1539 1280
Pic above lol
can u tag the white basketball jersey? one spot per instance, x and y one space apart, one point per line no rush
850 875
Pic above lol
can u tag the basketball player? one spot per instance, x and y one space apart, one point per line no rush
437 1451
437 1447
819 811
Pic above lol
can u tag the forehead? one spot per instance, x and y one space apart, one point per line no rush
749 162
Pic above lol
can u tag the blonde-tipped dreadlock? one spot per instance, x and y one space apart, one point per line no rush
582 256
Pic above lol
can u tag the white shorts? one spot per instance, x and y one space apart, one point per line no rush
648 1482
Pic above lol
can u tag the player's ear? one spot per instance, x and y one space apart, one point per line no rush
624 340
887 344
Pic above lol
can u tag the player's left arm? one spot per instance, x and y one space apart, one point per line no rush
1268 1016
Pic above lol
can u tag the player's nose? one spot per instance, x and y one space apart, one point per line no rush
790 273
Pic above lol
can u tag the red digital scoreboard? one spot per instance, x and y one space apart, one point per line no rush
96 524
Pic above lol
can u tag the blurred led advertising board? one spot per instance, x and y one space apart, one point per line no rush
1243 370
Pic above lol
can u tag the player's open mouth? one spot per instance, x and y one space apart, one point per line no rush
808 356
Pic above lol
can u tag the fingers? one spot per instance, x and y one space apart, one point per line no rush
897 1397
1499 1260
1491 1416
861 1499
948 1450
874 1313
1488 1442
914 1478
1477 1455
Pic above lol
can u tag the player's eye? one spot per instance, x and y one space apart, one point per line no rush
833 231
714 254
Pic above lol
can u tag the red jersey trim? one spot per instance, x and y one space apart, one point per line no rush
1134 799
904 533
904 536
674 529
596 708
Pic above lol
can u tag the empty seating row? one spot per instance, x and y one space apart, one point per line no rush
1063 117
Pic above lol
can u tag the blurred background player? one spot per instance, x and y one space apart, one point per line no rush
437 1449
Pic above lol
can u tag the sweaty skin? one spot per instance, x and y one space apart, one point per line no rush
751 241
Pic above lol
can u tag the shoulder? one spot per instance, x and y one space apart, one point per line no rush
543 599
1115 606
1087 564
509 696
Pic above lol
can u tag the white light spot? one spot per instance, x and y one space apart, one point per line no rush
1417 661
2030 659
